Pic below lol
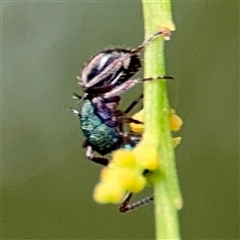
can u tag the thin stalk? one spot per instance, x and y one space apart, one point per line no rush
157 14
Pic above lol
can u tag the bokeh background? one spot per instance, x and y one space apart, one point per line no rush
47 182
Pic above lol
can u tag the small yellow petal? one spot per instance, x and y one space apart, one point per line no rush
137 128
124 158
108 193
147 157
175 121
137 185
176 141
108 174
131 180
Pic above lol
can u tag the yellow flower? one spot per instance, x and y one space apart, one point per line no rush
124 158
132 180
138 128
176 141
146 156
174 120
125 172
108 192
108 173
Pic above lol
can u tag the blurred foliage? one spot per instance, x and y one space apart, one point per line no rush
47 182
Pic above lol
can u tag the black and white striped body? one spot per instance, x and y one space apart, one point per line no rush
109 69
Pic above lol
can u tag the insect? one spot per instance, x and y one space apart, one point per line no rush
104 78
108 73
102 124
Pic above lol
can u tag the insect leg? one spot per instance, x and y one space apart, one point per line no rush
163 32
99 160
133 104
125 206
131 83
75 112
125 119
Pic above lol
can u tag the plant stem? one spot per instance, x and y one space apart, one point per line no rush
157 14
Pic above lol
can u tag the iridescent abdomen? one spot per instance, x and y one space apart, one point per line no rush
100 136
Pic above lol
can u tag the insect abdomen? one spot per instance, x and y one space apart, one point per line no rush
128 65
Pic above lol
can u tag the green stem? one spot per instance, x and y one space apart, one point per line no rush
157 14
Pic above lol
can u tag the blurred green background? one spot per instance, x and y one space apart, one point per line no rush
47 182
